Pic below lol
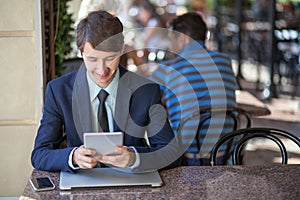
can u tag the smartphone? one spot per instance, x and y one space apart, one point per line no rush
42 184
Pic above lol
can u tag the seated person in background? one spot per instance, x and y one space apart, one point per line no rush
194 81
154 36
261 10
133 106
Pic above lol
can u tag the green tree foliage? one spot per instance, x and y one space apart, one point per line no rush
63 30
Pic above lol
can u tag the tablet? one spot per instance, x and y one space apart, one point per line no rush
103 143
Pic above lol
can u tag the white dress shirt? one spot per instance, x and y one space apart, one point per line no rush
110 101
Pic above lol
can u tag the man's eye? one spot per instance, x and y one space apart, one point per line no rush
92 59
110 58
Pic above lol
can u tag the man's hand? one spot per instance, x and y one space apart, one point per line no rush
83 158
122 157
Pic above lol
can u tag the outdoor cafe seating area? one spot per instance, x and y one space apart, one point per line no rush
262 156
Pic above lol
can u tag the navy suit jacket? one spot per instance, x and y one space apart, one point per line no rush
67 113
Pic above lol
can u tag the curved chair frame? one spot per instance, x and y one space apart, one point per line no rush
249 133
234 113
237 149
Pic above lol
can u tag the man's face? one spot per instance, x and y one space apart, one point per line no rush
101 65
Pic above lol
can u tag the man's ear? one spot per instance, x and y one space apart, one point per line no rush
185 39
182 40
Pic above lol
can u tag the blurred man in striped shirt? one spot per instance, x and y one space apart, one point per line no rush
194 81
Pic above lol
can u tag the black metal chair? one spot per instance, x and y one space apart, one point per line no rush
250 133
238 115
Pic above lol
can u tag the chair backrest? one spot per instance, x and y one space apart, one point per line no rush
236 114
250 133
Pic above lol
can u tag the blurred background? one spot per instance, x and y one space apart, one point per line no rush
37 43
261 36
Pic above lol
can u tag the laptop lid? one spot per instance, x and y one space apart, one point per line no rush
107 177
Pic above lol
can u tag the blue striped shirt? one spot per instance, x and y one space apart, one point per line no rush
195 80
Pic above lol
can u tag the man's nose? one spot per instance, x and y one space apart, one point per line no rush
101 67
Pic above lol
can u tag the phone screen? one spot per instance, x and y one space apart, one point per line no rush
42 183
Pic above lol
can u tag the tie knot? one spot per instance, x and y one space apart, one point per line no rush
102 95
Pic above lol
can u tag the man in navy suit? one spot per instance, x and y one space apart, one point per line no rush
133 106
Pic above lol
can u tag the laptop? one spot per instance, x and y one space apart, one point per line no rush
107 177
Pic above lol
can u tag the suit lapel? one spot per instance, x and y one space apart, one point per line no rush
122 101
81 106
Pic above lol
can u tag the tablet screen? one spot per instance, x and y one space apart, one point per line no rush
103 143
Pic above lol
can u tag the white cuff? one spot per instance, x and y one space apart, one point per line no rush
137 159
70 162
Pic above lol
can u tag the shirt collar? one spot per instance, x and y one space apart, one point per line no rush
95 89
194 45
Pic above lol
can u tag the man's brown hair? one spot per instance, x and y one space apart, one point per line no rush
102 30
